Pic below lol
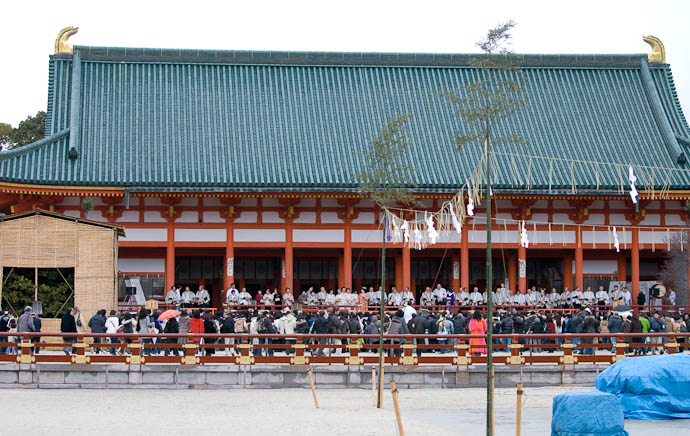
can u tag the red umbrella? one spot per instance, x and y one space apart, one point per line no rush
171 313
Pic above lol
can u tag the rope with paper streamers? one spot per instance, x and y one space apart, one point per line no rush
424 229
523 168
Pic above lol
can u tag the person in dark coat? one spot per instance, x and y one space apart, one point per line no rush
209 329
37 329
97 325
590 325
417 327
69 325
320 327
636 327
171 327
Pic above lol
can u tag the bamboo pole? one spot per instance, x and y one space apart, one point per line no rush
518 410
313 389
373 385
380 396
394 393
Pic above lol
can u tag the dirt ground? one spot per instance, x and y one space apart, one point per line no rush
436 412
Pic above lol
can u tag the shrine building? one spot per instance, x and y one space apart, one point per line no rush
239 166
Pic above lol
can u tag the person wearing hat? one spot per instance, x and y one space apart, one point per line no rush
24 323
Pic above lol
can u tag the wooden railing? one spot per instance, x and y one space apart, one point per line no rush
195 349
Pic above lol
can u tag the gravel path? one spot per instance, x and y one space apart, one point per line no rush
436 412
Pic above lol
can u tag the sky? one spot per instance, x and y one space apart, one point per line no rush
604 26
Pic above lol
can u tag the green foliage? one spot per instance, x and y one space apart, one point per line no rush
53 292
496 95
386 177
30 130
5 130
87 203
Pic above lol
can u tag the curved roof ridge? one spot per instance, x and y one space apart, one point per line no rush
34 145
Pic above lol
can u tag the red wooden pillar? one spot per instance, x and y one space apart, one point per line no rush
579 275
464 259
567 271
289 263
635 261
347 257
522 269
229 276
406 274
399 271
512 272
622 268
170 257
455 277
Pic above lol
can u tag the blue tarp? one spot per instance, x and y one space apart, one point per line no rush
587 414
650 387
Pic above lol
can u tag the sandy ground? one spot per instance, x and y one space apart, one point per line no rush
436 412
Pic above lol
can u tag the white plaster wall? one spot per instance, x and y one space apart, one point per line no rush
306 218
96 215
247 217
618 219
74 213
188 216
213 216
129 216
136 234
153 216
651 220
271 218
595 219
330 218
188 201
673 205
141 265
317 235
366 235
660 237
674 220
364 218
205 235
449 236
259 235
561 218
270 202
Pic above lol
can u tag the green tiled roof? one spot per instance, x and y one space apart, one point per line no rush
154 119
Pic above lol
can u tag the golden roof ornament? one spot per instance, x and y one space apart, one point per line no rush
61 46
658 53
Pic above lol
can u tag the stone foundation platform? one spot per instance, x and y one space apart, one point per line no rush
121 376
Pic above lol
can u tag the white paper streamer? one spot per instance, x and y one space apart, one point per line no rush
405 227
454 219
633 190
524 239
616 242
431 232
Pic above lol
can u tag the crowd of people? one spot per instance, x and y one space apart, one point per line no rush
439 296
440 312
405 320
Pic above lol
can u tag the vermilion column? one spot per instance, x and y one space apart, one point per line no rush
288 258
567 272
522 269
347 257
579 257
622 268
406 274
170 258
464 259
229 276
635 261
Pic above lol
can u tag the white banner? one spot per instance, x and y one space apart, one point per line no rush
230 267
523 267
